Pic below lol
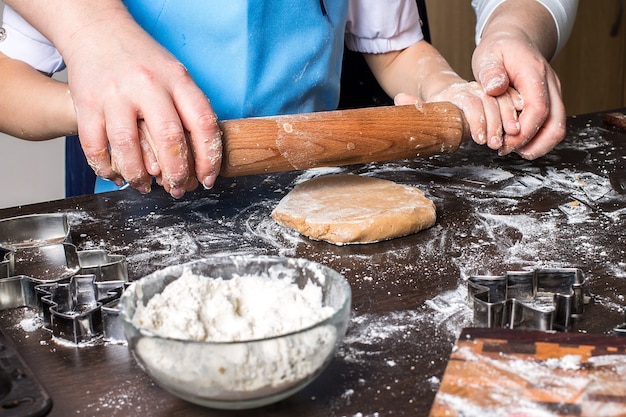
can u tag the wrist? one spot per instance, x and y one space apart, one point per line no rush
111 30
68 113
434 86
532 24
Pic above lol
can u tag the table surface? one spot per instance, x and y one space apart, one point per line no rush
495 214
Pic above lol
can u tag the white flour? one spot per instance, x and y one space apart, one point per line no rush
243 308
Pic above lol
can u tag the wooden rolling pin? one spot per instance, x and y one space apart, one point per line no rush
336 138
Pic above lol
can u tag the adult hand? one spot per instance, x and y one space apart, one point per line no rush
130 78
149 150
509 57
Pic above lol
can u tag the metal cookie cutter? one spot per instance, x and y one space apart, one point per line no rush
72 310
28 267
51 262
620 330
542 299
47 280
33 249
30 231
111 278
34 230
75 292
5 264
79 309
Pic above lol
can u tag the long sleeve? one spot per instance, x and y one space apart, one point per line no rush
563 12
25 43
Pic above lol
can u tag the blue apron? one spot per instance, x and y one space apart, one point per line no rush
253 58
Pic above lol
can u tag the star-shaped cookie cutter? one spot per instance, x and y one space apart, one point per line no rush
541 299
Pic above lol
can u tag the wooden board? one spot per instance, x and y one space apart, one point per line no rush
495 372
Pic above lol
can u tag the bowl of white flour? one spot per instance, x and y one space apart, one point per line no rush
236 332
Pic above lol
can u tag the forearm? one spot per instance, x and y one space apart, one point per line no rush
527 20
118 76
40 108
419 70
68 23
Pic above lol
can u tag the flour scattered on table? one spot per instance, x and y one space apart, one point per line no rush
26 319
474 174
31 324
124 401
451 311
76 218
260 225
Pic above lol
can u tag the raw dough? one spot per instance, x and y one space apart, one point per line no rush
344 209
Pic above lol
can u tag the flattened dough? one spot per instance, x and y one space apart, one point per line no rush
343 209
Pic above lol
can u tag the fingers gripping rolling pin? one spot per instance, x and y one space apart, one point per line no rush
336 138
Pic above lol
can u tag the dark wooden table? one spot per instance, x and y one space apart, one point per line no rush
495 214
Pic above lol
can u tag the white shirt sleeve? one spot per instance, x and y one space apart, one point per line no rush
378 26
23 42
563 12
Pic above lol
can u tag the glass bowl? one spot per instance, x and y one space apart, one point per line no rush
239 374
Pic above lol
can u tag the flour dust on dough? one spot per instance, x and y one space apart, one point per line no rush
346 209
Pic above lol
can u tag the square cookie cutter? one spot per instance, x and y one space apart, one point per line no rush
30 230
34 230
542 299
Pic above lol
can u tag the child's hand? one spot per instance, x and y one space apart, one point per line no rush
490 119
